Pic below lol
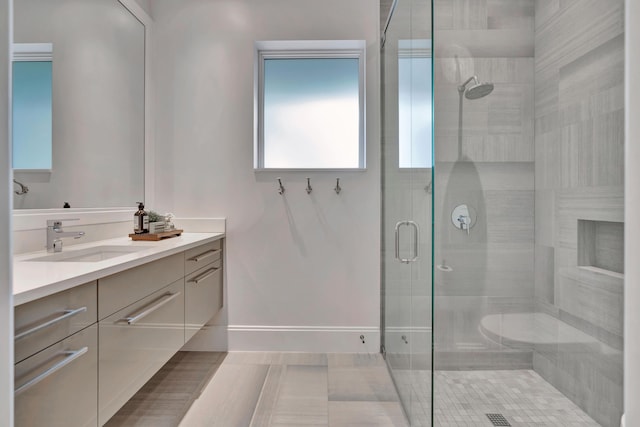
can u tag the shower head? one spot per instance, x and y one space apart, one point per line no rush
477 90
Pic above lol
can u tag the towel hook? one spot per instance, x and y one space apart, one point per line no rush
309 189
281 189
338 189
23 188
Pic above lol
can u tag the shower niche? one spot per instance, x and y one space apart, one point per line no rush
601 246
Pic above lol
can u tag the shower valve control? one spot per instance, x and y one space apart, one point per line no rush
463 217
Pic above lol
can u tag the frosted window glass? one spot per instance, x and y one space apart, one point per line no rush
414 112
311 113
32 117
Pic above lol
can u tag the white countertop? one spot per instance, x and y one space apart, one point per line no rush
33 280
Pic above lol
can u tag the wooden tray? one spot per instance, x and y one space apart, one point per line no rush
156 236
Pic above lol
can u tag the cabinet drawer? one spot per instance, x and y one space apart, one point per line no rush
203 297
135 342
196 258
59 385
122 289
45 321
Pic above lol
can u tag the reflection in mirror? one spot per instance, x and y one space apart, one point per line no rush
97 157
31 106
415 141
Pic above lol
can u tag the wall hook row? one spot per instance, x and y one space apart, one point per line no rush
281 188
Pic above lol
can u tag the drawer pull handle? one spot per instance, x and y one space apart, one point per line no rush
205 255
70 357
66 314
153 306
204 276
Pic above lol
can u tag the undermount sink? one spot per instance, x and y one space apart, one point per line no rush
94 254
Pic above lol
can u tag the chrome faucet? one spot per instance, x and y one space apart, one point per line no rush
55 233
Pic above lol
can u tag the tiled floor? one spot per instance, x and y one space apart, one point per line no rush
299 389
295 389
463 398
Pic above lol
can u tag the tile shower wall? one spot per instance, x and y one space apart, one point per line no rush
579 167
492 269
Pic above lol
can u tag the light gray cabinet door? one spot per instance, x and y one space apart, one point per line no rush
58 386
45 321
203 297
135 342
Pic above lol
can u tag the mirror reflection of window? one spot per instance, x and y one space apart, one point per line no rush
415 137
32 107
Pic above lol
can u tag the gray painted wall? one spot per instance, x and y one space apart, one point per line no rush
579 168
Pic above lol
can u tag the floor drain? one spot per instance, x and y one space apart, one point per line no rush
498 420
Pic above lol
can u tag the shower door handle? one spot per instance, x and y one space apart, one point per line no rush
416 236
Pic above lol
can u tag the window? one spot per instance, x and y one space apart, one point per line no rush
310 105
415 126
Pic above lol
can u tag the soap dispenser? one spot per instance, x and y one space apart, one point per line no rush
140 220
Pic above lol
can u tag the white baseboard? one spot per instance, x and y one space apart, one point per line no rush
314 339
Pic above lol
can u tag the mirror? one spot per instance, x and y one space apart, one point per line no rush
97 132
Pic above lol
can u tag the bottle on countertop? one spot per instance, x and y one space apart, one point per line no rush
140 220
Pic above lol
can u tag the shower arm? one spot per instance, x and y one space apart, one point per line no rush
463 86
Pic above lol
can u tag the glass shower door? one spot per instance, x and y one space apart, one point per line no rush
407 204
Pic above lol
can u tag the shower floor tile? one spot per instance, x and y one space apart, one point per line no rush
463 398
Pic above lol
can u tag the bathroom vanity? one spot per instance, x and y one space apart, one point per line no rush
94 323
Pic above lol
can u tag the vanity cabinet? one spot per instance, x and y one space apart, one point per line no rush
81 354
56 350
135 343
202 286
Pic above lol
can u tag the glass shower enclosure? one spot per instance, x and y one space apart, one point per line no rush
502 211
407 204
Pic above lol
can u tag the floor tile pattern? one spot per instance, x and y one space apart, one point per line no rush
166 397
261 389
298 389
463 398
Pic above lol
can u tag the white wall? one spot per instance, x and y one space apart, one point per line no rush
6 294
632 225
302 270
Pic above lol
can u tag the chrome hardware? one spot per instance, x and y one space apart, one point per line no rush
55 233
153 306
416 236
204 255
281 188
463 217
23 188
70 357
338 189
204 276
67 314
309 189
